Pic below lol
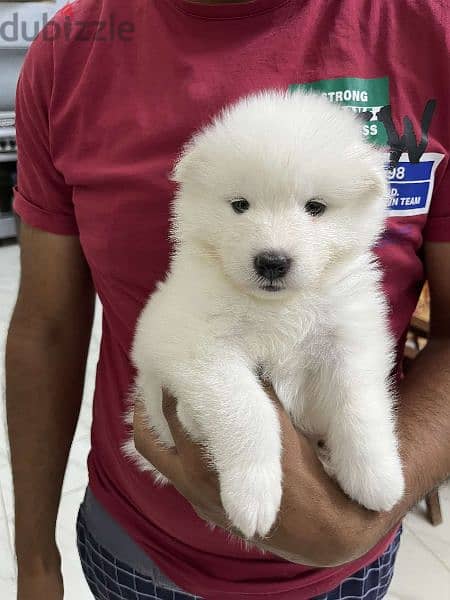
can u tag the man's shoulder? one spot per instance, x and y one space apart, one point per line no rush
63 46
83 21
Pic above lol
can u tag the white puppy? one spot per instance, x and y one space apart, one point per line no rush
278 205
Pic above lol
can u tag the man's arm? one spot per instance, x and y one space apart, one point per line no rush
424 408
46 352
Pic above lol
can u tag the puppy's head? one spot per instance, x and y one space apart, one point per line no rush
279 189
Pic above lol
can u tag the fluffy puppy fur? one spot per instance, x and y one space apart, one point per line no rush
279 203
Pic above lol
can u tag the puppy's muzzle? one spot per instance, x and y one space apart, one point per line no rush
272 266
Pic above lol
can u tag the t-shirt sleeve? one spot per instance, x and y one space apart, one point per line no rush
437 228
41 198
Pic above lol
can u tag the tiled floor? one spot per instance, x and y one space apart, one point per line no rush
423 568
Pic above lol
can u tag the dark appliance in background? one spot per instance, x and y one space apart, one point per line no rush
19 24
8 174
7 181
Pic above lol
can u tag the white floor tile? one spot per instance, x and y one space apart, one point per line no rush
436 539
83 430
419 575
7 562
9 282
76 473
6 489
75 586
8 589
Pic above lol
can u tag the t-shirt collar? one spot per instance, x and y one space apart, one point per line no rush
229 10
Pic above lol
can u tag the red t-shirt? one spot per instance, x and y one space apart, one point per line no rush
99 124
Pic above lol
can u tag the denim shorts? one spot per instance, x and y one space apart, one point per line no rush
110 578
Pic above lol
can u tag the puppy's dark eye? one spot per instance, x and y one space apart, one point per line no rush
315 208
240 205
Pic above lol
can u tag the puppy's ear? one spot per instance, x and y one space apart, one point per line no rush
375 176
377 184
180 167
189 165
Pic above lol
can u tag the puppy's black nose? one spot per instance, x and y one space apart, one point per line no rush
272 266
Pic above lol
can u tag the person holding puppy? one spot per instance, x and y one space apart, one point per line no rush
93 193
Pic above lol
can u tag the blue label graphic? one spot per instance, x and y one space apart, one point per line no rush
405 196
411 185
406 171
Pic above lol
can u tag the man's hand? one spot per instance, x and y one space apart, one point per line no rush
185 465
317 525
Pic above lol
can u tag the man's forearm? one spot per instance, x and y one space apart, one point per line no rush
45 367
424 433
424 423
423 419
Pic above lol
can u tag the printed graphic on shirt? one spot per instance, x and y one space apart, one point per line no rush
411 184
363 96
410 169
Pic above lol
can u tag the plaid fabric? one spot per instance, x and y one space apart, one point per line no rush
371 582
111 579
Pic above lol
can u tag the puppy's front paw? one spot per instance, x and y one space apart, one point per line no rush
377 484
251 497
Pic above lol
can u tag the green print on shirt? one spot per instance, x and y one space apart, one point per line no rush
364 96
